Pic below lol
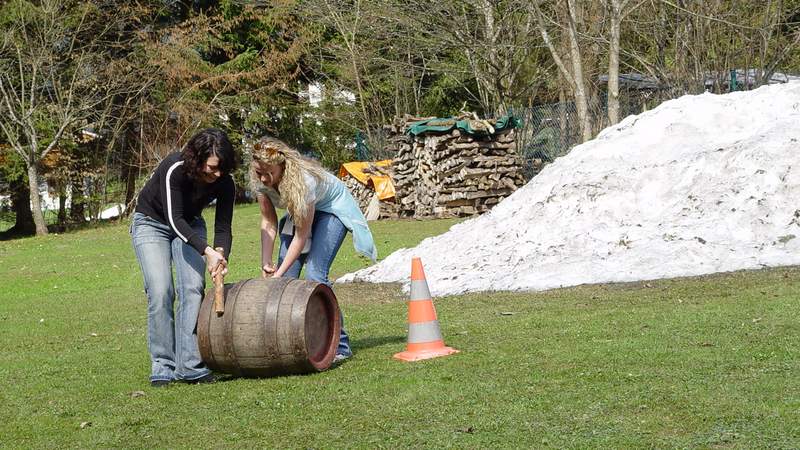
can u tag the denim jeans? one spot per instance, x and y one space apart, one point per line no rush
327 234
171 337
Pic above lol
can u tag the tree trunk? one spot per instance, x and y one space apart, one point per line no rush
77 210
21 205
581 94
563 117
682 31
130 187
494 92
613 67
62 210
36 202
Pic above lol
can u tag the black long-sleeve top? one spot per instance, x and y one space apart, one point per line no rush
175 200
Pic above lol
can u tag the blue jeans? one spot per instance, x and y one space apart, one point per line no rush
327 234
171 337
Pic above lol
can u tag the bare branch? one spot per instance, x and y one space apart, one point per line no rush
56 138
707 17
549 43
14 141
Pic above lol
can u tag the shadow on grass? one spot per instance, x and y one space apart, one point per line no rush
357 344
18 233
361 344
13 233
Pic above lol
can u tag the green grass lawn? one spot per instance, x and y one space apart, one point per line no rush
702 363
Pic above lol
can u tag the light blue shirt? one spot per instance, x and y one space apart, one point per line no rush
333 197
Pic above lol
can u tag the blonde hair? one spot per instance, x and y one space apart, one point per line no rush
293 188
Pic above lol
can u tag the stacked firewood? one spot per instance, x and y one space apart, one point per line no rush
360 192
453 174
366 196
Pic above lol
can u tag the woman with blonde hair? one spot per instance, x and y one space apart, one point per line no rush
319 212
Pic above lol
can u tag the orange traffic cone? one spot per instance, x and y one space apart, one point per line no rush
424 337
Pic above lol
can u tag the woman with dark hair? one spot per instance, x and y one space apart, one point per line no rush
168 230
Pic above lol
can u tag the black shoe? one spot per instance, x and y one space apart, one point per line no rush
159 383
205 379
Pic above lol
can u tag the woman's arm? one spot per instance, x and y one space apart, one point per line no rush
175 183
269 231
298 242
218 262
224 215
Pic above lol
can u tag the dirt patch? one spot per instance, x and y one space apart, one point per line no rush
369 293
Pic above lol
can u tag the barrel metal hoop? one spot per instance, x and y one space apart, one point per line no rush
271 336
228 345
299 289
203 334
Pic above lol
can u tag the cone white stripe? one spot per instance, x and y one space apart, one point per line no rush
424 332
419 290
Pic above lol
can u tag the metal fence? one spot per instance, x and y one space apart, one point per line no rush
546 131
375 147
552 130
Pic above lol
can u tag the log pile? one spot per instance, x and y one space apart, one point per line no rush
364 195
452 174
360 192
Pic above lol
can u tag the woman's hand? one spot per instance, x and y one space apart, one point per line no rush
215 262
222 269
267 270
269 231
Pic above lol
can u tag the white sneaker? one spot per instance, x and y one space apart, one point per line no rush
341 357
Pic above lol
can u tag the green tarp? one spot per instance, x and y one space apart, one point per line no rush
470 126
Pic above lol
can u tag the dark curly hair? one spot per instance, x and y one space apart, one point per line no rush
206 143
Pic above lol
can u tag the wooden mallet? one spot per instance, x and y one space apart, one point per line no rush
219 291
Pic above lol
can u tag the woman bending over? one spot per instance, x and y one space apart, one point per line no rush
169 231
319 212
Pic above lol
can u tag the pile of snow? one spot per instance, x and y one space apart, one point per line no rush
700 184
112 212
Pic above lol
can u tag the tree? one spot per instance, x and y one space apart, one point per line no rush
50 80
688 44
223 63
491 44
617 10
13 182
575 73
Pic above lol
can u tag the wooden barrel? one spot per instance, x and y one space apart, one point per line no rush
272 326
